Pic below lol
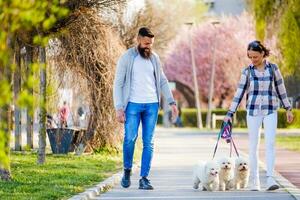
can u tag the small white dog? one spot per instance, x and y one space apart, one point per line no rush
241 173
226 173
206 173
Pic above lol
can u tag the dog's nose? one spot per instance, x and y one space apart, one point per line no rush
244 167
226 166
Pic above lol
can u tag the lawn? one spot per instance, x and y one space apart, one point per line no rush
289 142
61 177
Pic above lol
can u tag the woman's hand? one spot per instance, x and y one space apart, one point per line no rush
289 116
227 118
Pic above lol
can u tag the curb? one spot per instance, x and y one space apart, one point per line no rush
101 187
288 186
283 182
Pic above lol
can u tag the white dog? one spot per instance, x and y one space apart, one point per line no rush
226 173
206 173
241 173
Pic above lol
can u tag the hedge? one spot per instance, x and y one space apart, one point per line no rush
189 118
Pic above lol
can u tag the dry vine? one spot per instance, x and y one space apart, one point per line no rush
90 49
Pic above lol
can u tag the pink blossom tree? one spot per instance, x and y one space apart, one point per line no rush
231 36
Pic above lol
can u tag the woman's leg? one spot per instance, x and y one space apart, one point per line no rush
254 124
270 125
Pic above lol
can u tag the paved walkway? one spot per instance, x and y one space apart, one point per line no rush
176 152
287 162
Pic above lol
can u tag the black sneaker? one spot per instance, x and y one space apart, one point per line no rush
145 184
126 178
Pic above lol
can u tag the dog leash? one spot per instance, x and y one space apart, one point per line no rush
225 133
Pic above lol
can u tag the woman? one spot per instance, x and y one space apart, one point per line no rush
265 88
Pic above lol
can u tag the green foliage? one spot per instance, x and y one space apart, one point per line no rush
289 37
262 9
189 118
285 19
3 154
6 95
60 178
21 20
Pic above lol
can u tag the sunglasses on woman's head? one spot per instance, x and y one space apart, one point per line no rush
254 46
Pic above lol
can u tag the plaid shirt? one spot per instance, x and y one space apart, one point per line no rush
263 91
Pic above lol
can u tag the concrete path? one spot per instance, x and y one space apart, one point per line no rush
287 162
176 152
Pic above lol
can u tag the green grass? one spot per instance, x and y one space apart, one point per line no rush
289 142
60 178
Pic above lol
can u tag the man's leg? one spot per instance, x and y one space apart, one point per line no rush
131 125
149 119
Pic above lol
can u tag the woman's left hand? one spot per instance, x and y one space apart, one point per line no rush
289 116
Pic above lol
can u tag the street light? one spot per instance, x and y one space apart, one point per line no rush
197 95
212 78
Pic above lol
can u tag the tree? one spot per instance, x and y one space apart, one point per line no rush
17 90
29 72
232 37
42 131
24 22
280 19
91 54
153 15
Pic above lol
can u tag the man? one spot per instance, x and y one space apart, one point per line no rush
138 83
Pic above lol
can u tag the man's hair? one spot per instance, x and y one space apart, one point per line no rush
146 32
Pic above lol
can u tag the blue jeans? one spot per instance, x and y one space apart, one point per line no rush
136 112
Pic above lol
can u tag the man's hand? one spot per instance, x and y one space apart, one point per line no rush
174 112
289 116
120 114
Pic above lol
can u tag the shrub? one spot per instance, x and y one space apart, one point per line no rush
189 118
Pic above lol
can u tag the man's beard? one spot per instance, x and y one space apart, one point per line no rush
144 52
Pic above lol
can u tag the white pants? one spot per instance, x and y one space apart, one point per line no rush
254 124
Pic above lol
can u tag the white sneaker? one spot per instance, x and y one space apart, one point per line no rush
271 184
254 185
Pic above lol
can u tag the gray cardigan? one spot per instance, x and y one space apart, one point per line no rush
123 78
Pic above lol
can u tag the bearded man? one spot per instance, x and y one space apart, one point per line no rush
138 84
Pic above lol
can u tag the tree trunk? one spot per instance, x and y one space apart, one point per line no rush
17 89
29 122
42 130
5 127
5 163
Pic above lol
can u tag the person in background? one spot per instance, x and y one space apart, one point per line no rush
63 115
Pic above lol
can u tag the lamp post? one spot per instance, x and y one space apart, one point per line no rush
212 78
197 93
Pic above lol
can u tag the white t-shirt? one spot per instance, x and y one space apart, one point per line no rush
143 89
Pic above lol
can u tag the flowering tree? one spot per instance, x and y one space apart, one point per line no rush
231 37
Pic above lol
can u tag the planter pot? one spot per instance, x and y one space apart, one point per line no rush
60 139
